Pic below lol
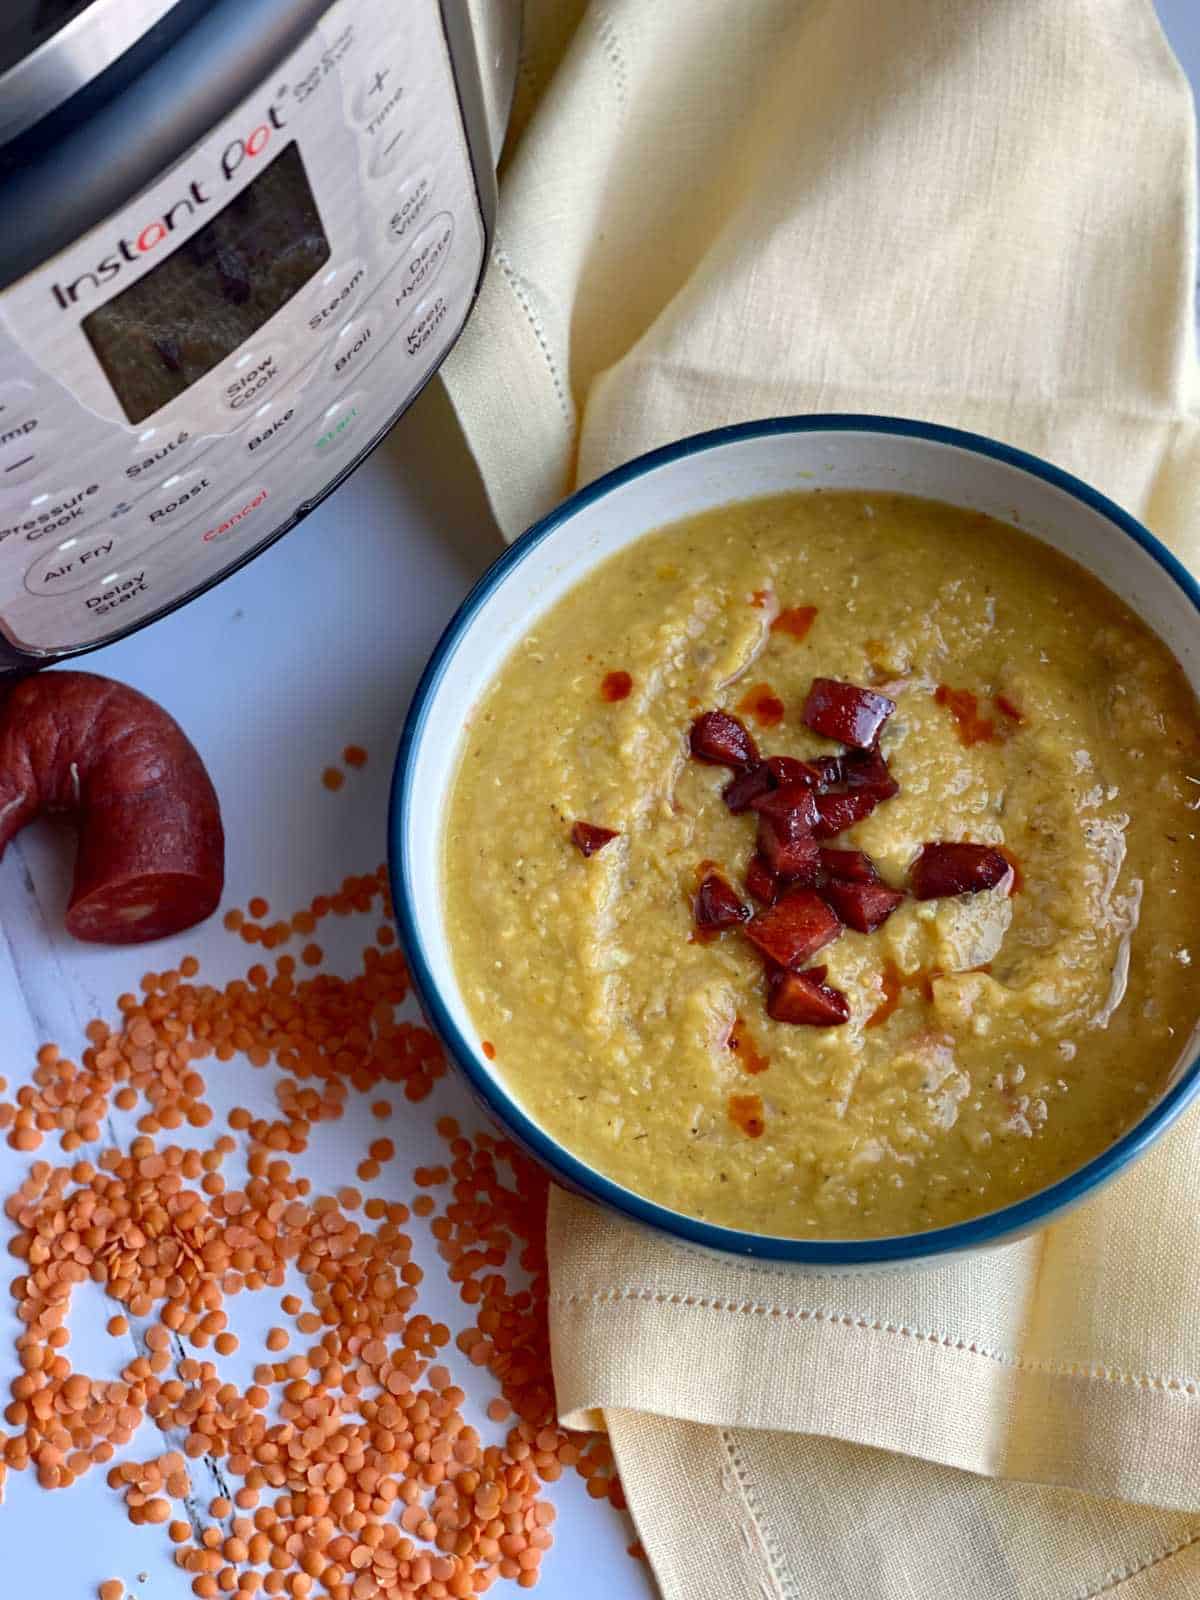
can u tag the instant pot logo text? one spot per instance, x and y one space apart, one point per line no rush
200 193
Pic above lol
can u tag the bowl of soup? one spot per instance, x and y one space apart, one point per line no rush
794 841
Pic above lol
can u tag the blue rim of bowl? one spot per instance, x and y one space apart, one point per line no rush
992 1227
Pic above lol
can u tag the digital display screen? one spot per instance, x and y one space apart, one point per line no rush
159 336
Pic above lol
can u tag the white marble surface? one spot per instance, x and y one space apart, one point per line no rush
317 643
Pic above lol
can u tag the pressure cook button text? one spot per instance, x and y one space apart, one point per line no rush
51 513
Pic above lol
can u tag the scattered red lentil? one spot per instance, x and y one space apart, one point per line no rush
357 1476
333 778
354 755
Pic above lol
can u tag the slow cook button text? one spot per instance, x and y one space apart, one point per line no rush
253 374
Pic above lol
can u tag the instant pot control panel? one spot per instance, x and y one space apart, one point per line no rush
197 371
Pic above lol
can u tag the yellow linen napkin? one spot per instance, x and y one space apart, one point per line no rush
979 212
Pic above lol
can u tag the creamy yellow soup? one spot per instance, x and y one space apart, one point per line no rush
995 1040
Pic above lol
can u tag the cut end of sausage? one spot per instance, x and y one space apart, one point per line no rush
151 856
153 906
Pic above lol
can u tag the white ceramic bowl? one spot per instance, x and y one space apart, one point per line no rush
712 469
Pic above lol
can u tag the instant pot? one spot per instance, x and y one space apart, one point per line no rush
240 235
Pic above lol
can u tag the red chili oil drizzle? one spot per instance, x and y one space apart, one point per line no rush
746 1113
743 1046
964 708
615 686
762 703
796 620
895 982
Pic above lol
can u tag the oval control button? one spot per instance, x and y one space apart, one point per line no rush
53 513
386 152
26 449
72 564
380 90
180 493
156 452
425 259
121 591
338 291
274 423
246 382
246 507
410 204
338 422
353 348
425 319
16 400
